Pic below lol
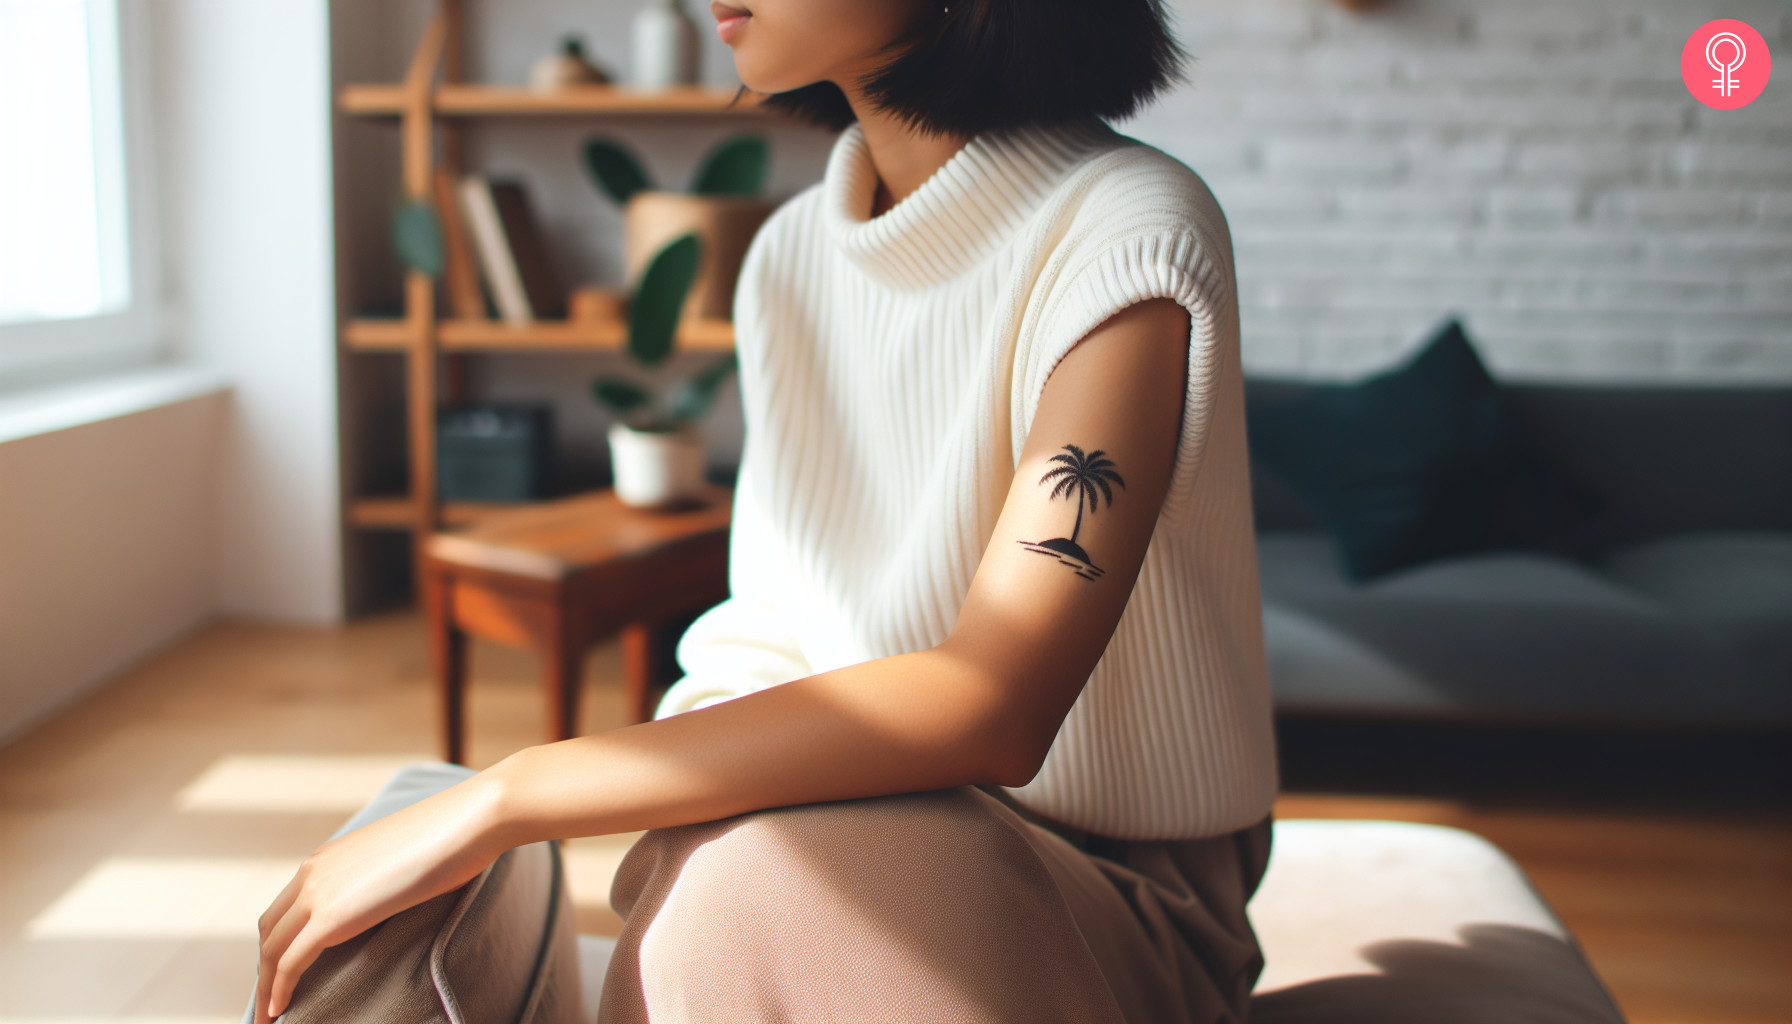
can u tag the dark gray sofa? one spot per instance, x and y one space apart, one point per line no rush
1674 607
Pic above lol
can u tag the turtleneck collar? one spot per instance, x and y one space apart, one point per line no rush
974 202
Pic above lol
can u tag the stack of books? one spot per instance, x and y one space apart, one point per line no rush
491 223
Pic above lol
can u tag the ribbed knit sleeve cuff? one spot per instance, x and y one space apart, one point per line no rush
1173 265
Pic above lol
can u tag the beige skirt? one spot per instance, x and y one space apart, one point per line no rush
942 906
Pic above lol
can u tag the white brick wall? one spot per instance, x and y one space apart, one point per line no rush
1534 165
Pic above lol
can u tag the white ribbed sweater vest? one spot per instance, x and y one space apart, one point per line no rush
890 369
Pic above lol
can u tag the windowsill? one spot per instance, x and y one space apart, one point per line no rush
45 410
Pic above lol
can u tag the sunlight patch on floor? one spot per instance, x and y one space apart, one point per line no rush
165 898
291 783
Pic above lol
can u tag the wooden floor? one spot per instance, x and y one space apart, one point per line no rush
143 831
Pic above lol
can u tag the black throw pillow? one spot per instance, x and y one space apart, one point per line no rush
1419 462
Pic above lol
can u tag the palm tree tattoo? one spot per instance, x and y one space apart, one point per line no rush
1082 477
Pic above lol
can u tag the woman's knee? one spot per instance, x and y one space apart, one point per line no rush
785 844
889 897
912 853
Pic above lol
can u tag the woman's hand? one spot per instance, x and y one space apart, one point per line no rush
354 882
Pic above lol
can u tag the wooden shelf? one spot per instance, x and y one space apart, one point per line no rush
433 110
542 336
398 512
468 100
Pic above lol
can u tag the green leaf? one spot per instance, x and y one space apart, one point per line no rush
659 299
614 169
735 168
620 394
417 237
694 397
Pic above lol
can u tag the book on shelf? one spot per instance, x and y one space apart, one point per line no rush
460 277
512 254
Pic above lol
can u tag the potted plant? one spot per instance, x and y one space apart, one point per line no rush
656 446
723 207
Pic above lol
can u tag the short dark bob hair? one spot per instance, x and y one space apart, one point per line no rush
1000 65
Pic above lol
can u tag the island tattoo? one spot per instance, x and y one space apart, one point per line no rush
1082 477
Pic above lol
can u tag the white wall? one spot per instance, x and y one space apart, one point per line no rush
106 549
244 106
122 530
1537 165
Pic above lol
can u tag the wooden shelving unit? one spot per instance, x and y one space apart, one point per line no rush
432 108
468 336
450 100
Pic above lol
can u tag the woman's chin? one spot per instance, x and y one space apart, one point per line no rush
760 79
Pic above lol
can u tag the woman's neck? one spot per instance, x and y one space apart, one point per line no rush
903 156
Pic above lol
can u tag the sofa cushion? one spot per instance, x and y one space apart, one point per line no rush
1379 922
500 949
1416 463
1515 633
1735 584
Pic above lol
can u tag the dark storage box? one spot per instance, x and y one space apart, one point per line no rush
494 452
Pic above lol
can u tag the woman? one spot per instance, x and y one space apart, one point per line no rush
982 732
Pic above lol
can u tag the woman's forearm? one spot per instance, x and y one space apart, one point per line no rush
926 720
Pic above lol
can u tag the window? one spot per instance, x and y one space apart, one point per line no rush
77 288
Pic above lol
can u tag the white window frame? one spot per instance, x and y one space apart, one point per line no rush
52 351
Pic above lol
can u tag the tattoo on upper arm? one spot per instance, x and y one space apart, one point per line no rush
1081 477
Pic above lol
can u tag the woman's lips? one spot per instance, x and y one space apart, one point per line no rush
730 20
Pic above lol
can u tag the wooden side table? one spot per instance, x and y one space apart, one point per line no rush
559 577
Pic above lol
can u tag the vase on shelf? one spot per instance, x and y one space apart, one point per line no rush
665 47
566 67
657 468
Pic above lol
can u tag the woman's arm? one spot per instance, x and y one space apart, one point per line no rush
981 707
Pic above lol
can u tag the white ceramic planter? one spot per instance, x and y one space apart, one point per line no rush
655 469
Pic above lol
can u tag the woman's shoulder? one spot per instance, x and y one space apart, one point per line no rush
1135 189
1129 214
1131 218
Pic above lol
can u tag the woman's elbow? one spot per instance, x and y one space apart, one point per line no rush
1012 756
1002 731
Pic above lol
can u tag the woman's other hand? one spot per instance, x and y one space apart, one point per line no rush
355 881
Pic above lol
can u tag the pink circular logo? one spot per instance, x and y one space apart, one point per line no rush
1726 64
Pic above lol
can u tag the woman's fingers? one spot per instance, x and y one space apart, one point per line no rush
274 944
270 920
302 953
264 980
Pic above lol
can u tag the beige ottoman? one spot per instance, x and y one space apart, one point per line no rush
1384 922
1390 923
